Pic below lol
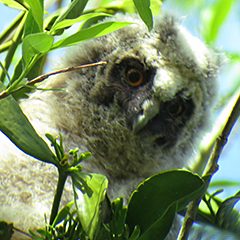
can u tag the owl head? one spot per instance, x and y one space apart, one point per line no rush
143 111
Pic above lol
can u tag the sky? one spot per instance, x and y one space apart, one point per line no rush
229 40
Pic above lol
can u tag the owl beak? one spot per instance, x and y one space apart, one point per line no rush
150 108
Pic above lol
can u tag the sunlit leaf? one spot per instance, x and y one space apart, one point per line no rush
13 4
213 17
36 7
92 32
88 203
62 214
36 43
68 22
143 8
15 125
31 25
73 10
121 5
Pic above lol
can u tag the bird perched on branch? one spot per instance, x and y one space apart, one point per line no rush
141 113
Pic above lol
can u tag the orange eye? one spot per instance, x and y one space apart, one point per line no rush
175 109
134 76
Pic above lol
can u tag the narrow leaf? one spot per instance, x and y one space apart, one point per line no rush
36 7
88 207
69 22
13 4
89 33
74 10
15 125
143 8
213 18
62 214
227 217
31 25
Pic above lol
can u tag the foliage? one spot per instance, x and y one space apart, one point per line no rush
151 209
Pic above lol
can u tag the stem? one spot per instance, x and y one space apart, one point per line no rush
11 27
41 78
211 168
57 198
12 49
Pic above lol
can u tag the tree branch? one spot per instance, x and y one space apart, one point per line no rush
211 168
41 78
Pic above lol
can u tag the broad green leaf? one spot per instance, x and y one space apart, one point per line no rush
74 10
160 229
36 7
15 125
213 18
34 44
143 8
89 204
69 22
155 195
6 230
13 4
89 33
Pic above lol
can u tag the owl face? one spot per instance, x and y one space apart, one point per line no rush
147 105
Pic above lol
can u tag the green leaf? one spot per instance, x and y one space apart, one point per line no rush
143 8
35 236
62 214
13 4
15 125
6 230
69 22
213 18
135 234
89 205
34 44
158 193
92 32
36 7
31 25
224 183
74 10
227 217
162 226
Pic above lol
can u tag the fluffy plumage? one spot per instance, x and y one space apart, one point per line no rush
140 114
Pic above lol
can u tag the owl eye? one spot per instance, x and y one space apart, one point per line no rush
175 108
134 76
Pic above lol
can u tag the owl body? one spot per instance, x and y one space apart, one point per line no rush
141 113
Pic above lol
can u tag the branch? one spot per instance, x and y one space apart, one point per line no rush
212 167
41 78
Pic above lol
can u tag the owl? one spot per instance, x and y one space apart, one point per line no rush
141 113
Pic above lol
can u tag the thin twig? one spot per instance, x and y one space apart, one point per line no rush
22 232
211 168
41 78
